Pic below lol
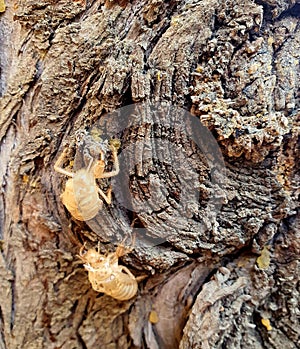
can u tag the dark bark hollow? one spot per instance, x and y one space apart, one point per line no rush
171 175
219 249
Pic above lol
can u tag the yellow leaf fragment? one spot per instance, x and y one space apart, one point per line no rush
116 143
271 41
175 20
199 69
263 261
153 317
2 6
25 178
266 323
96 134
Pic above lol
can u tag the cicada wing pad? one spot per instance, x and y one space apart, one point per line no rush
86 196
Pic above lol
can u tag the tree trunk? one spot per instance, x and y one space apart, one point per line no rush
213 208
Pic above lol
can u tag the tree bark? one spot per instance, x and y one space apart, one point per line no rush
220 272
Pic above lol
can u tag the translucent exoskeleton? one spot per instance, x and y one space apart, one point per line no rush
107 276
81 194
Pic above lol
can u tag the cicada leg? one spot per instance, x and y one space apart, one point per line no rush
58 165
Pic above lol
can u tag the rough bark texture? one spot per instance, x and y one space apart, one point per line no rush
235 66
